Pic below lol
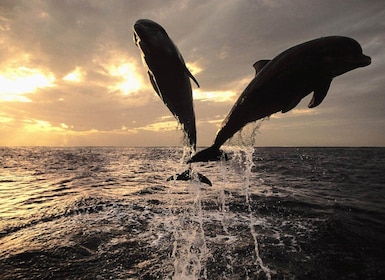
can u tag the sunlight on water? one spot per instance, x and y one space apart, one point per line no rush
109 213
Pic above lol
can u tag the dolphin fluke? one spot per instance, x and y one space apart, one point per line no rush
186 176
210 154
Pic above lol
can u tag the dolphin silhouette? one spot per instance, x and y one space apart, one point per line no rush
168 73
281 83
170 78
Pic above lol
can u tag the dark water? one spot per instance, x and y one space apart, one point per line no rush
108 213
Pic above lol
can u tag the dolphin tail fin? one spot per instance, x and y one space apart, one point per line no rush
187 176
210 154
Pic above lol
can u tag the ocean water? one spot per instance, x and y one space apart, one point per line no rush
271 213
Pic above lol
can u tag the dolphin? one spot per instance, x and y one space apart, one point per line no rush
170 79
280 84
168 73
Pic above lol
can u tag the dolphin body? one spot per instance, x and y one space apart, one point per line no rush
168 73
170 78
281 83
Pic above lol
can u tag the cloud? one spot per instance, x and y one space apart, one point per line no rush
17 82
72 71
214 96
77 75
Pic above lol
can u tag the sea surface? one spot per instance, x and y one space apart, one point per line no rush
271 213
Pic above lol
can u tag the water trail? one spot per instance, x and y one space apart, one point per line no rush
252 222
189 250
223 207
204 254
244 142
225 220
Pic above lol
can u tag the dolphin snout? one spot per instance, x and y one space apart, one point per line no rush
366 60
359 61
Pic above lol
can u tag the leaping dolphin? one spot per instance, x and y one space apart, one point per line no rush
280 84
170 79
168 73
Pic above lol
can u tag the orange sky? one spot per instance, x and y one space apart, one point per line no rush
71 75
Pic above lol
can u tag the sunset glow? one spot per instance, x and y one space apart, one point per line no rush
74 76
214 96
160 126
23 80
129 80
70 73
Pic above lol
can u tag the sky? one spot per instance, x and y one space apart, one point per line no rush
70 74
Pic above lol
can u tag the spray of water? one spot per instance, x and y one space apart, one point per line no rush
190 253
249 165
189 248
246 139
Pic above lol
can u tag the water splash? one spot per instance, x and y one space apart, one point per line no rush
190 251
249 165
189 247
244 157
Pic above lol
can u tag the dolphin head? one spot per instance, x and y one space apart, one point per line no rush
342 54
149 35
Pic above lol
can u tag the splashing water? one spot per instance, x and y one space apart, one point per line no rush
244 156
189 252
189 248
243 153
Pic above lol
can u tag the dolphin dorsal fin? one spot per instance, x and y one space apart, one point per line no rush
260 64
320 92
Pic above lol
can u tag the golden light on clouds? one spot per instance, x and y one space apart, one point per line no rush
5 119
74 76
124 72
127 73
167 123
41 126
194 67
214 96
295 113
23 80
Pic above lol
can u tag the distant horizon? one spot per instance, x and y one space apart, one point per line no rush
181 147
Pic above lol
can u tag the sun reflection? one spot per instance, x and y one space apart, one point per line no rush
22 80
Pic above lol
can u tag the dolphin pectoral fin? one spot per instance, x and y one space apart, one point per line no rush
209 154
291 105
202 178
186 176
190 75
319 93
260 64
